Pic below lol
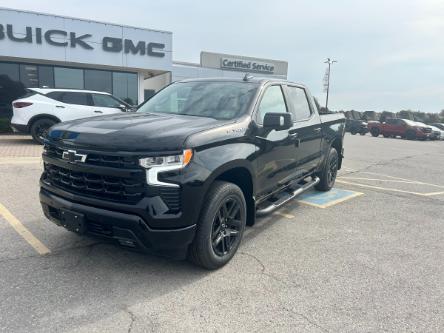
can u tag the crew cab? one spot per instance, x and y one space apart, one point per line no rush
41 108
196 163
404 128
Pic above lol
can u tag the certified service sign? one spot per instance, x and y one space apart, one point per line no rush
247 65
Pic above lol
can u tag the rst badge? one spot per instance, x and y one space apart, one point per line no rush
72 156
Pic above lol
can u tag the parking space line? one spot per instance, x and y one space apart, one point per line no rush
23 231
392 181
433 193
380 187
288 216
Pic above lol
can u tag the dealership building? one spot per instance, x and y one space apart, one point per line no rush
43 50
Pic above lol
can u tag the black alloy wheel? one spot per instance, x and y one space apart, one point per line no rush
226 227
220 227
332 170
327 176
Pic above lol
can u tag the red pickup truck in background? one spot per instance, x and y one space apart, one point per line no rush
404 128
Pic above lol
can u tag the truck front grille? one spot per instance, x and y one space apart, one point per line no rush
95 185
108 160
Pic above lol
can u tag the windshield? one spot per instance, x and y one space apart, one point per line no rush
219 100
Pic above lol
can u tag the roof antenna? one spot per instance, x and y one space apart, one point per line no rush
248 77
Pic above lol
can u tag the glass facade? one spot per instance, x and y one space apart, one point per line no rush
16 77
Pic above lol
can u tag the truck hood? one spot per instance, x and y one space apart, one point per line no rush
131 132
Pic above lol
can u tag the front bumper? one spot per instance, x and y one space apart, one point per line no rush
127 229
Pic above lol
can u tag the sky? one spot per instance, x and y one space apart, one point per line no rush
390 53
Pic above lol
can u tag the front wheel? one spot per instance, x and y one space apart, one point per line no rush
220 227
353 131
329 171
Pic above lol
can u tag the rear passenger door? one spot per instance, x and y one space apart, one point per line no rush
307 129
106 104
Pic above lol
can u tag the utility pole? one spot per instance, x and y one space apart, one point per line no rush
327 79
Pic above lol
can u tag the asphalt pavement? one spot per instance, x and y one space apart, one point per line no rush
369 262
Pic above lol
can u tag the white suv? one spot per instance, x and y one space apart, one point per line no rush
41 108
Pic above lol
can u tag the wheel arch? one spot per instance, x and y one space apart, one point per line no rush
239 173
42 116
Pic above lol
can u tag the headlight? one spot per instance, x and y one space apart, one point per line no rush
172 160
157 164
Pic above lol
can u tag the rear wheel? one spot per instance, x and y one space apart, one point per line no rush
220 227
39 129
329 171
353 131
375 131
385 135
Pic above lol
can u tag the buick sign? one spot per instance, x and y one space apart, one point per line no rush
64 38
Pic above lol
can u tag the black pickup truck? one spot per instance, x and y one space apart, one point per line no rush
192 167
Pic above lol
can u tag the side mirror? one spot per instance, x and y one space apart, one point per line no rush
123 107
278 121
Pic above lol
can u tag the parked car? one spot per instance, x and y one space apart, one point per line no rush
41 108
355 123
356 126
403 128
192 167
436 132
439 125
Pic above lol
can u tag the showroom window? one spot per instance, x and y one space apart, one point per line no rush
125 87
46 77
98 80
29 75
70 78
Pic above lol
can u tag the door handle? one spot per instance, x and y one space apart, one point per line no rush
317 129
98 111
60 106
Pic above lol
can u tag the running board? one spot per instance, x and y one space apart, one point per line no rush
286 198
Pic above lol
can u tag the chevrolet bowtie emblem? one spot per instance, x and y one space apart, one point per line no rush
72 156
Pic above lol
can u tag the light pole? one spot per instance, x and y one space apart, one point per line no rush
327 79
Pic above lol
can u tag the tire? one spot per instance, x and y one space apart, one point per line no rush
363 133
39 129
385 135
410 135
219 233
375 132
329 171
353 132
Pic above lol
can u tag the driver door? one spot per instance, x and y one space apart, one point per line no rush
276 160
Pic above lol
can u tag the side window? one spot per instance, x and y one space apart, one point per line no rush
298 100
105 101
57 95
272 102
391 121
75 98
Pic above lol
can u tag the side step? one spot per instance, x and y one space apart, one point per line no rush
287 197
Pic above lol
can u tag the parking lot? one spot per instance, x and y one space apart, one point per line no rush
366 257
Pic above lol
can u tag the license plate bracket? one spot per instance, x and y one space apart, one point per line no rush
73 221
